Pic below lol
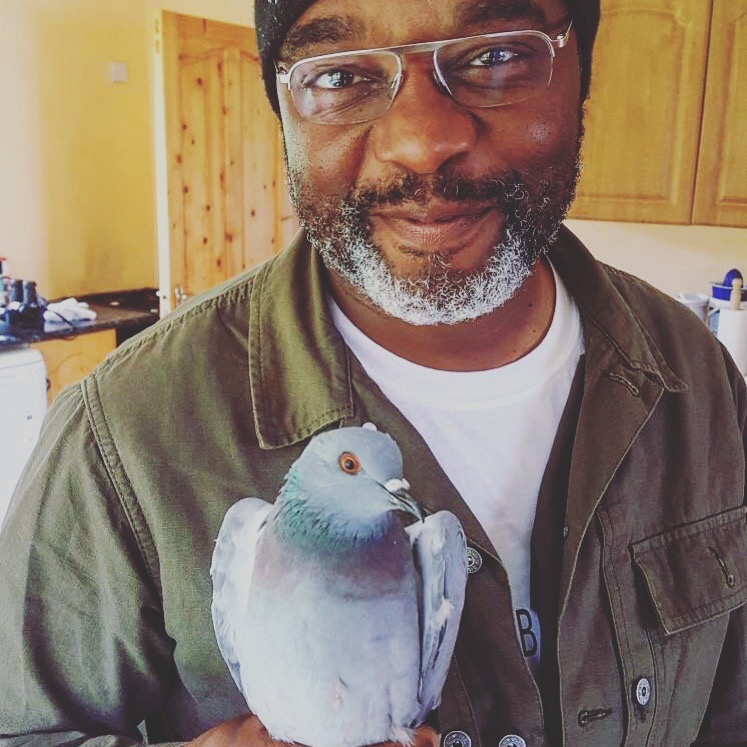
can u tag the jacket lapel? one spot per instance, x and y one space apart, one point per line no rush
298 369
617 403
625 378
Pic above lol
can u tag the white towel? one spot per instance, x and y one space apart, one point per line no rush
70 310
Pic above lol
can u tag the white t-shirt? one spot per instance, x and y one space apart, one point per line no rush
491 432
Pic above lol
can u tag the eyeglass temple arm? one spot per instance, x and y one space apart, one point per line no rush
561 40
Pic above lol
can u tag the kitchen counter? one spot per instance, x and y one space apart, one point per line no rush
128 312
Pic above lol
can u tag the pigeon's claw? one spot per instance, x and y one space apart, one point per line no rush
400 498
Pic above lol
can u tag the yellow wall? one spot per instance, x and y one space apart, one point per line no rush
76 157
76 212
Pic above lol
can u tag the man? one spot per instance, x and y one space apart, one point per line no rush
587 431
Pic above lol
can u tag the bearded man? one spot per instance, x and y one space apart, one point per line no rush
586 430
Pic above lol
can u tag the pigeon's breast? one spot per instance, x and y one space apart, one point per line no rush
381 564
332 642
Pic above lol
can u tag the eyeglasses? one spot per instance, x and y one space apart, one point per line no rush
476 71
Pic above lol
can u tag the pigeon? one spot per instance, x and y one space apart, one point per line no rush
337 607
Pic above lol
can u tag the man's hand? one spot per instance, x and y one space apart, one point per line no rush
247 731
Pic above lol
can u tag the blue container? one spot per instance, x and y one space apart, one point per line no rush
722 291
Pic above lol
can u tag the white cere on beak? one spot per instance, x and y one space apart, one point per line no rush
369 427
397 484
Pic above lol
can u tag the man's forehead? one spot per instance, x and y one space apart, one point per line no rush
493 10
338 24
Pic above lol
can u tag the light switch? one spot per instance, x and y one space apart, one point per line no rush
118 72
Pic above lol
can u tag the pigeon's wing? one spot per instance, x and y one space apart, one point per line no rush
440 553
231 571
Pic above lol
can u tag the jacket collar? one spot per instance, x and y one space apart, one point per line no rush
299 369
593 287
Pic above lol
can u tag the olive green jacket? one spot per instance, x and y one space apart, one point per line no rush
105 553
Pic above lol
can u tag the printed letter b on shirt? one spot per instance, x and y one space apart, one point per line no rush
528 629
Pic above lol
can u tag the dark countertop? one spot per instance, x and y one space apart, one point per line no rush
123 311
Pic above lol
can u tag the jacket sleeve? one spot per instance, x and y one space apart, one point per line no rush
725 722
84 656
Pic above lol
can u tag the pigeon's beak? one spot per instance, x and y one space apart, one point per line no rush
399 491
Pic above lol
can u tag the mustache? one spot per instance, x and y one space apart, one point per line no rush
506 189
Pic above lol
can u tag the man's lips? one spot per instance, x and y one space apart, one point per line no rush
440 227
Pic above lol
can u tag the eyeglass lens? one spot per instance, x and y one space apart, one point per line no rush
481 72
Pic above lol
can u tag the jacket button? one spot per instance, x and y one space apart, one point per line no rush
512 740
474 560
643 691
457 739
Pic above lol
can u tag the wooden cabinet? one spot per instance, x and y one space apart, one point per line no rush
721 193
69 360
665 124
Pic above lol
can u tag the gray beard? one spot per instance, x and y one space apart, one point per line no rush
439 294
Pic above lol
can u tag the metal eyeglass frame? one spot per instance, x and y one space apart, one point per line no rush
559 42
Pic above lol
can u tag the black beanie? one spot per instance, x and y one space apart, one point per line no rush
274 18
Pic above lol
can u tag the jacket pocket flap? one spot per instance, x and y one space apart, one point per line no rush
696 572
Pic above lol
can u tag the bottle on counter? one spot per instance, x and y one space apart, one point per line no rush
33 305
16 293
4 282
25 307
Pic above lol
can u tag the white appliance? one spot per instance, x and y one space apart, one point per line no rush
23 404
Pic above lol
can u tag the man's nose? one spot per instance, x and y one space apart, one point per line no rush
424 128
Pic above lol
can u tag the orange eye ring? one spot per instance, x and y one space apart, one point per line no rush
349 463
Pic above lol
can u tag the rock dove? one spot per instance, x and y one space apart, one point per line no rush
338 621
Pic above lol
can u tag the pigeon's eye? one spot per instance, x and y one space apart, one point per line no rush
349 463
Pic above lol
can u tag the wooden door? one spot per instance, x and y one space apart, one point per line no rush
643 118
221 181
721 192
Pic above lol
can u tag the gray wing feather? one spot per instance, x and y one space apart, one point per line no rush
231 572
440 553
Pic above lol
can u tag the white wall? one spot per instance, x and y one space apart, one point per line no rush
672 258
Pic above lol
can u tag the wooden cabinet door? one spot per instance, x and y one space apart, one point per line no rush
721 193
643 117
227 204
69 360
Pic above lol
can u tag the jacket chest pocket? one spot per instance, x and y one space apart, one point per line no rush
696 573
671 595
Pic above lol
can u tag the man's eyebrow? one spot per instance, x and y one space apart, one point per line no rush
490 11
336 29
330 30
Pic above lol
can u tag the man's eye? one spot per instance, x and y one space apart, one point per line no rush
494 57
334 79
